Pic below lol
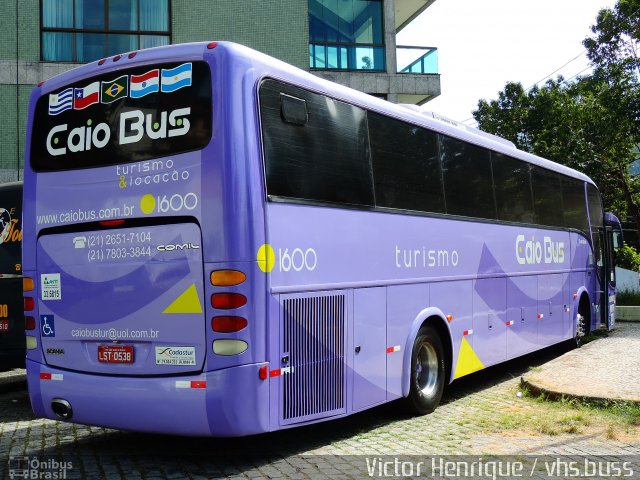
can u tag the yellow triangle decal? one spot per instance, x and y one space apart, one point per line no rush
468 361
187 302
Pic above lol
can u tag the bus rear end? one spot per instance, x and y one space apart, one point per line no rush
141 303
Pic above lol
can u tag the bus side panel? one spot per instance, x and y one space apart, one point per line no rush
489 322
455 299
404 302
522 297
369 350
550 309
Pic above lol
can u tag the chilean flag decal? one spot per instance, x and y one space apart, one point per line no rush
83 97
141 85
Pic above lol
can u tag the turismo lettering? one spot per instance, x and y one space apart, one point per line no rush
533 252
133 126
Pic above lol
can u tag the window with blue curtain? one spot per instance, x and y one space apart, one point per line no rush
346 35
88 30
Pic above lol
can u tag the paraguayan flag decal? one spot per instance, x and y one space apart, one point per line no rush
176 78
60 102
141 85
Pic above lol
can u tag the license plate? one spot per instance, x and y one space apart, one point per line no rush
4 325
115 354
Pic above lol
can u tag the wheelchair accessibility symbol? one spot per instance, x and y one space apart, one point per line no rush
47 326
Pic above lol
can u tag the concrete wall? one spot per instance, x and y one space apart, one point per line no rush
19 45
277 28
627 280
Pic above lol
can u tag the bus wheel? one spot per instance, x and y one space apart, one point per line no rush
427 372
580 329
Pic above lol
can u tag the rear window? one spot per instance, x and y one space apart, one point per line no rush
125 116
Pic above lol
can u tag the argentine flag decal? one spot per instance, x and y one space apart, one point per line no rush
176 78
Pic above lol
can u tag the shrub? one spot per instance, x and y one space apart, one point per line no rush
627 257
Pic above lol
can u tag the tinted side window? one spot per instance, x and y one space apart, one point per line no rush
547 197
406 167
575 206
468 185
325 158
513 189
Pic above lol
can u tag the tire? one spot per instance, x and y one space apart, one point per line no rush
427 372
583 320
580 330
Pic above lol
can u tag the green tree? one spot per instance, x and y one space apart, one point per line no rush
591 124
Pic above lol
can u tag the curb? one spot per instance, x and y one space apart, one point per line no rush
557 396
626 313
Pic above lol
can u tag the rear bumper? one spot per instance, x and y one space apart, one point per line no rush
235 401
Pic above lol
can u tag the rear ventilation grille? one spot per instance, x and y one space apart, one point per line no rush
314 340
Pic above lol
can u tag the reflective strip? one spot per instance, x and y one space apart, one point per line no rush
393 349
191 384
540 315
51 376
467 332
509 323
281 371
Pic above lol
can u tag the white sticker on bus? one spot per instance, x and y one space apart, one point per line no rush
175 356
50 286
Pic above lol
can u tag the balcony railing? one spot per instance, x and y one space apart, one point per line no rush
419 60
347 56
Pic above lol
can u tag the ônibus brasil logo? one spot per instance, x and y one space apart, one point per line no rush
533 252
133 126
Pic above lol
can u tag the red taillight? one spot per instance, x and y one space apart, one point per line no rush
116 58
263 372
227 301
40 83
29 303
212 45
29 323
228 324
132 54
111 223
101 62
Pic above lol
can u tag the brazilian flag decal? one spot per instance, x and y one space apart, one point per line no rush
114 90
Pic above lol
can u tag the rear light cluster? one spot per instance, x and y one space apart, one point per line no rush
228 301
29 306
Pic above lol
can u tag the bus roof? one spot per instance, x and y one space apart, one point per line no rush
266 66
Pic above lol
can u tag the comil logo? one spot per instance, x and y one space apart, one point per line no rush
530 251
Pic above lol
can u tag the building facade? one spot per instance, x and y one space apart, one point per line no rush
352 42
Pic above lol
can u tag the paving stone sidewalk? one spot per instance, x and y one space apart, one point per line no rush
607 369
470 421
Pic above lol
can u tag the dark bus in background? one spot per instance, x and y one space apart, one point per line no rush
12 337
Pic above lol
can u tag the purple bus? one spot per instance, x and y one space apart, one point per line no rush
222 244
